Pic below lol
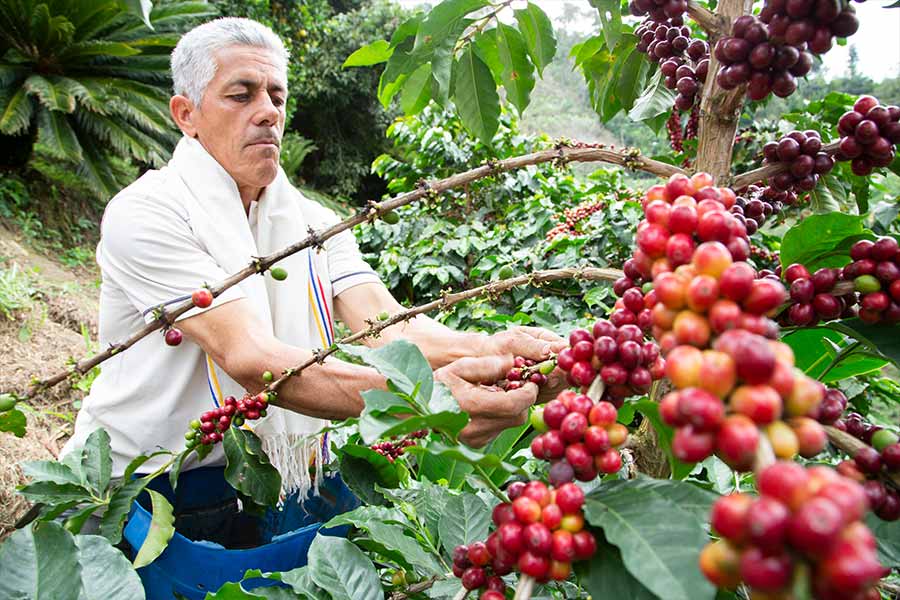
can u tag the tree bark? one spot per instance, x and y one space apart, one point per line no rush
720 109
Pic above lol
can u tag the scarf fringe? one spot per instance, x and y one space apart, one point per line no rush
293 455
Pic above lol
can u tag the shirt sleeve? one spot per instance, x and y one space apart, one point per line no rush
149 251
346 266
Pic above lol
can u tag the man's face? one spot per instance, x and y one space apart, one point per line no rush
240 120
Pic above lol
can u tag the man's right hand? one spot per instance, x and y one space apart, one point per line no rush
490 410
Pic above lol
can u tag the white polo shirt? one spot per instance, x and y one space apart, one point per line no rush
148 255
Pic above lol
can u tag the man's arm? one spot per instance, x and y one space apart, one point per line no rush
235 339
440 344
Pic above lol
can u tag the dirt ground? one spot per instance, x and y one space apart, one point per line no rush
62 324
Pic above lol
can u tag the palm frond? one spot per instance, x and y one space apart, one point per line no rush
93 16
54 92
98 172
16 110
11 73
166 17
49 33
146 68
56 134
123 137
87 50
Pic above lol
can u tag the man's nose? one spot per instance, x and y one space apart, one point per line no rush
267 113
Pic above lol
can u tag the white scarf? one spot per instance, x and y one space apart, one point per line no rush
294 309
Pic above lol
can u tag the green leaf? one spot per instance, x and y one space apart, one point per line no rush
661 553
16 111
52 92
49 492
40 562
437 37
881 338
402 363
518 72
300 581
814 353
56 133
829 195
822 240
248 469
385 471
162 529
887 534
467 455
372 54
686 495
139 8
538 32
96 462
113 520
373 428
655 100
338 566
14 422
417 91
49 470
465 519
105 572
610 21
607 577
476 96
75 522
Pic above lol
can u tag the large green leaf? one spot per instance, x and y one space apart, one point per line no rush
14 422
822 240
139 8
417 90
40 562
888 536
97 172
465 519
248 469
16 110
377 52
815 353
384 470
96 462
55 93
538 32
659 541
113 520
373 427
476 96
56 133
161 530
655 100
607 577
829 195
49 492
106 573
686 495
610 21
49 470
518 72
338 566
882 338
402 363
462 453
437 36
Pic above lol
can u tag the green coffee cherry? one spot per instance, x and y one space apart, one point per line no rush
268 377
278 274
537 419
195 424
547 367
7 402
866 284
390 217
506 272
883 438
383 316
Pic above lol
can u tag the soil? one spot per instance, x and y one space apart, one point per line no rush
61 324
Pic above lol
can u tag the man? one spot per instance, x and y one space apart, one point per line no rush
219 202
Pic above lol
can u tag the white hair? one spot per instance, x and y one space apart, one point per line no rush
193 60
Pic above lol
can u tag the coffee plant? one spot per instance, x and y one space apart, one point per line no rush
701 450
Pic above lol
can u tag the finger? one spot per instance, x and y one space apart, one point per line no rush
541 333
486 369
522 343
481 403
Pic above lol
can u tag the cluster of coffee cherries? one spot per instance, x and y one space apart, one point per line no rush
869 133
809 23
572 218
875 272
814 296
726 394
802 152
626 363
212 425
804 518
525 370
677 135
659 10
392 449
756 204
767 66
684 61
579 437
540 532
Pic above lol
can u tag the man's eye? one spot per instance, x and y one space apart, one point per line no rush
277 101
240 97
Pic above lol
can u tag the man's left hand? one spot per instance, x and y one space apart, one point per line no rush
535 343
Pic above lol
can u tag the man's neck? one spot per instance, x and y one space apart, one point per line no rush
248 195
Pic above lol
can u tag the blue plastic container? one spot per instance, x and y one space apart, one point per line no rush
193 568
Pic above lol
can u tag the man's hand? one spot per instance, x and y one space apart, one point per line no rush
490 410
534 343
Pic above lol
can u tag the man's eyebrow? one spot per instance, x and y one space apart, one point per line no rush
252 83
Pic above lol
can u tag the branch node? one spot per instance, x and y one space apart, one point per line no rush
315 240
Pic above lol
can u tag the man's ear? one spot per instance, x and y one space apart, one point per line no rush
183 112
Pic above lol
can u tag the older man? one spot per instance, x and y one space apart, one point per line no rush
220 201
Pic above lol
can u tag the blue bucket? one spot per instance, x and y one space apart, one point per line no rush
278 541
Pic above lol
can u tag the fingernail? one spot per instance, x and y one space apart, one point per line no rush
546 350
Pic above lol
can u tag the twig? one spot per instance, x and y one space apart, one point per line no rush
744 179
564 154
447 300
415 588
525 588
714 25
849 444
481 25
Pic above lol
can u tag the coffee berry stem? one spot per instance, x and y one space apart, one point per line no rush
850 445
461 594
525 588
